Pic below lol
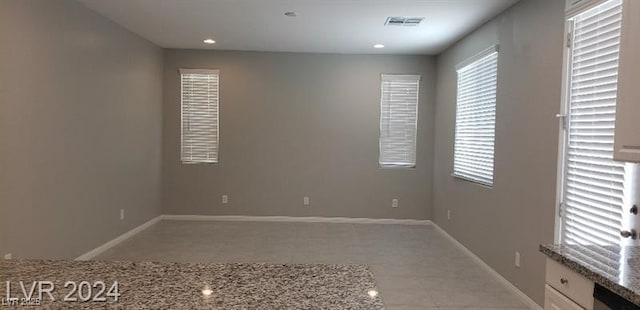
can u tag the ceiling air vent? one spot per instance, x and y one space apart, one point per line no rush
403 21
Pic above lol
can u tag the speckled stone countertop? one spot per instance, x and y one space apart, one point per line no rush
613 267
155 285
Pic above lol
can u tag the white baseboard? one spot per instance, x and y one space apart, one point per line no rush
508 285
344 220
97 251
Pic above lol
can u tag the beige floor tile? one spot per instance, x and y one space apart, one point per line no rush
415 266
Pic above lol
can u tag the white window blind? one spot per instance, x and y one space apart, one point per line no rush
476 118
200 113
398 120
593 183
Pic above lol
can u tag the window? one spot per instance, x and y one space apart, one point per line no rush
398 120
200 113
593 185
476 118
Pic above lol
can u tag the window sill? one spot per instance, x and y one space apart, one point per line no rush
398 167
476 182
198 163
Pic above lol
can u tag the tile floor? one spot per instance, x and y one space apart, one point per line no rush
415 267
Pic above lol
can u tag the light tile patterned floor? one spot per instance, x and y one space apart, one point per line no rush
415 267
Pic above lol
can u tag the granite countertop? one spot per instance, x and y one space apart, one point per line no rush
617 268
168 285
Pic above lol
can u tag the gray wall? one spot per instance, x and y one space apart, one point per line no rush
81 128
517 214
295 125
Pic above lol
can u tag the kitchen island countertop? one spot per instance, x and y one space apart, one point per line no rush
173 285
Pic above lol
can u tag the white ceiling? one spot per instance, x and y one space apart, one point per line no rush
321 26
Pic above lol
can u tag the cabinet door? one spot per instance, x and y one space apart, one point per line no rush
553 300
627 133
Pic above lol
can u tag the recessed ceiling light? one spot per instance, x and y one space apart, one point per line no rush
290 14
209 41
378 45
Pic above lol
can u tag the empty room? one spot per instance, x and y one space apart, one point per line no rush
319 154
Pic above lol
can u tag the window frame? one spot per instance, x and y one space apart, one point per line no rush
563 119
390 77
493 49
216 160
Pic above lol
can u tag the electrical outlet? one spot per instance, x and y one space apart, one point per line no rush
306 201
517 260
225 199
394 203
121 214
448 215
7 256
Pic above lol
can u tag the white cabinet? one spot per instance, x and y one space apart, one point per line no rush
553 300
566 289
627 133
